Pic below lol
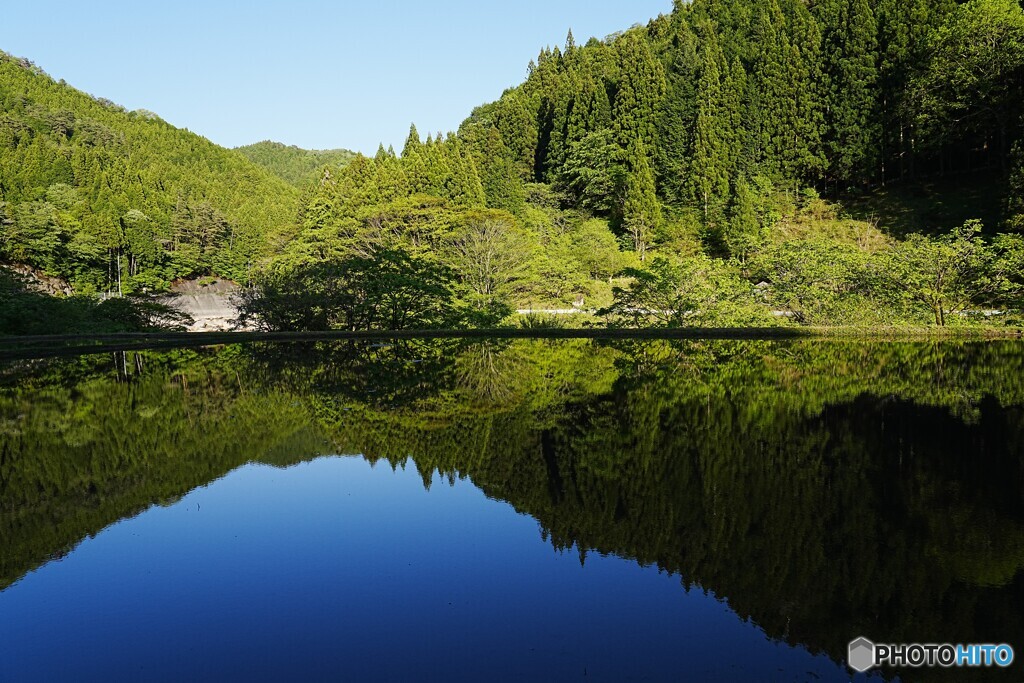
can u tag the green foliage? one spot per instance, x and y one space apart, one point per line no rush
837 95
593 173
390 290
697 291
850 48
641 211
121 201
500 178
25 311
494 258
711 165
956 273
298 167
822 283
431 203
972 86
725 129
1014 199
744 231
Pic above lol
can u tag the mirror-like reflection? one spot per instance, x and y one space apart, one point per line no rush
823 490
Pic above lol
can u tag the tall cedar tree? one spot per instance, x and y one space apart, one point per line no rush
640 90
850 49
710 171
641 211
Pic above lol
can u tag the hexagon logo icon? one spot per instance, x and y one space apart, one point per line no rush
861 655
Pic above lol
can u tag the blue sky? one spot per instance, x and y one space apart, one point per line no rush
312 73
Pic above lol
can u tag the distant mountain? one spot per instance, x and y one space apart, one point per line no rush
297 166
111 200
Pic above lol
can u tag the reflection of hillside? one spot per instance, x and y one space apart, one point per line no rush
824 490
77 457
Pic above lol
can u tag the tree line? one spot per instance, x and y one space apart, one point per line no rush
704 169
696 170
122 202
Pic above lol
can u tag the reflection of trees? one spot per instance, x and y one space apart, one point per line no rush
486 373
81 447
798 481
824 489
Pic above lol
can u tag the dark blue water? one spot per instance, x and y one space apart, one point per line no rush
336 570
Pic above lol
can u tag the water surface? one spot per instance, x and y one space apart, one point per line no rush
525 510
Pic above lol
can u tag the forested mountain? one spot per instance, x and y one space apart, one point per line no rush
719 106
113 200
300 167
733 158
711 157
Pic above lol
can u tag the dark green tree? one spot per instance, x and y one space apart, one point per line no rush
850 50
640 90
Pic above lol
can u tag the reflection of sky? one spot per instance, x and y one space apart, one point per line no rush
333 570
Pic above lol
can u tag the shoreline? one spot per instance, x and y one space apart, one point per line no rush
13 347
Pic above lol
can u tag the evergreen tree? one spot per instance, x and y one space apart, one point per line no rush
641 210
905 28
850 49
640 90
787 77
804 155
498 176
742 234
463 187
1015 198
734 107
518 128
412 142
710 169
677 115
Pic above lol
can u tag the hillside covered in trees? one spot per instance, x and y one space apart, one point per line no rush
732 158
299 167
118 201
790 161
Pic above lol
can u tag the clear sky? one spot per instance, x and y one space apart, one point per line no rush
312 73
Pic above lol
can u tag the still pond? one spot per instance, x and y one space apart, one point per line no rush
527 510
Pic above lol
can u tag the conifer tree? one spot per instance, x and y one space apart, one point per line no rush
743 229
904 30
850 50
805 155
677 115
734 108
518 128
641 88
500 182
641 210
1015 197
391 179
710 168
412 142
463 187
787 77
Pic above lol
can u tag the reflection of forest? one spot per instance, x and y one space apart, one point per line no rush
826 490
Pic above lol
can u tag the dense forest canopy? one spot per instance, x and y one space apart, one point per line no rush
730 163
709 159
299 167
120 201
